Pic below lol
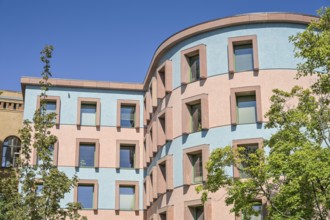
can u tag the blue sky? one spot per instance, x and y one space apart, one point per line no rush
107 40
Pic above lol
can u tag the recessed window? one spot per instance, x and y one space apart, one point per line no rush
257 207
127 156
197 168
245 105
194 68
86 155
164 79
165 174
10 151
243 54
51 151
246 109
86 196
127 197
194 163
193 64
243 57
50 107
198 212
88 114
196 117
245 153
162 216
127 116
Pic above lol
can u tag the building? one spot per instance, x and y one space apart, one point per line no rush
11 117
140 149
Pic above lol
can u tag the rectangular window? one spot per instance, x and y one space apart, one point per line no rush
257 206
243 57
127 155
162 216
196 117
197 168
194 68
88 114
248 149
246 109
127 197
86 196
51 151
50 106
127 116
198 212
86 155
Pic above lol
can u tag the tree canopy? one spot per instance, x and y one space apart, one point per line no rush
29 191
293 178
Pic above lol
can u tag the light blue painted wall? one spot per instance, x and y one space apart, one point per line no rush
215 137
68 111
107 182
275 50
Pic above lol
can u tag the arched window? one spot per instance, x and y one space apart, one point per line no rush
10 151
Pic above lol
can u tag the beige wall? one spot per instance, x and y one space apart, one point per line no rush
10 119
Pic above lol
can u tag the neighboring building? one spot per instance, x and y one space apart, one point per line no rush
140 149
11 120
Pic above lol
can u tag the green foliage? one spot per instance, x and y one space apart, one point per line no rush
293 178
26 203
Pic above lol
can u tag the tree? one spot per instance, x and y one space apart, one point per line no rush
42 186
293 178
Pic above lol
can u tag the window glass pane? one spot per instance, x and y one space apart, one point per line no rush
88 114
10 151
199 213
50 107
243 57
86 196
86 155
51 149
197 168
246 109
196 119
127 197
127 154
248 149
39 188
256 207
194 68
127 116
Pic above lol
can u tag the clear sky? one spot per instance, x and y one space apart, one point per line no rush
107 40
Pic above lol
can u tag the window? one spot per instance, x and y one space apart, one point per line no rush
127 195
246 109
245 105
165 174
196 117
127 116
86 193
193 64
195 210
10 151
257 207
164 79
195 110
51 151
198 212
51 105
39 187
165 126
243 54
88 112
194 68
246 147
197 168
166 213
243 57
128 113
127 155
194 162
87 153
